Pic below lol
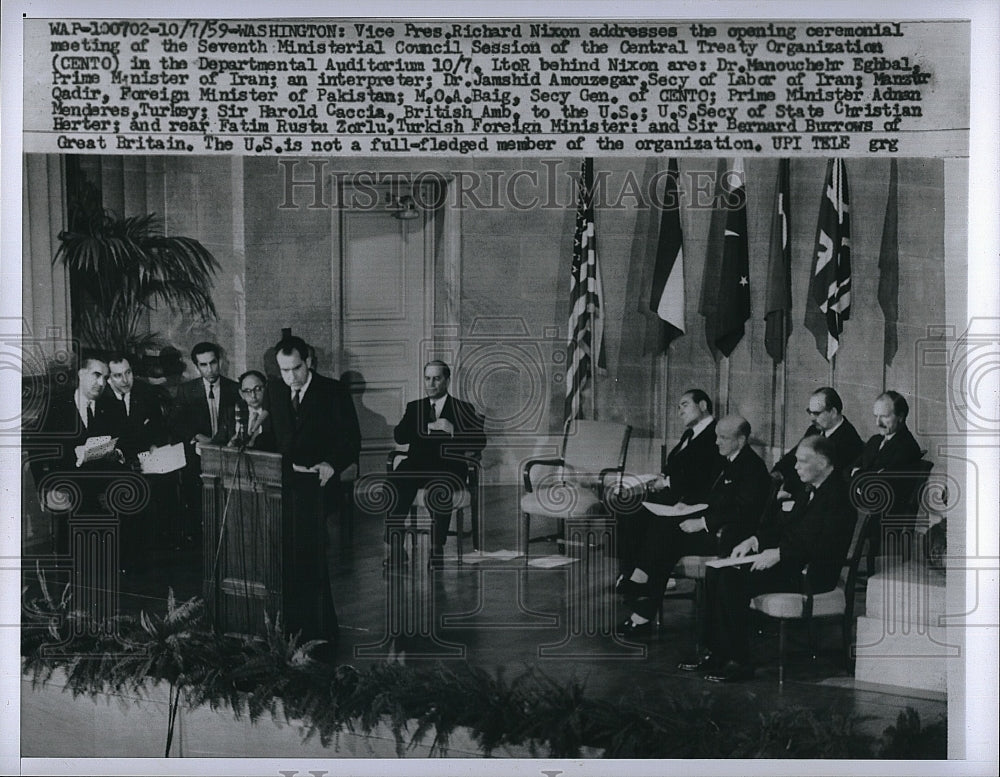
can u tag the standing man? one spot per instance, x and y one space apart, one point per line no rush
137 417
254 429
735 503
443 433
826 413
816 531
689 471
200 410
316 431
70 420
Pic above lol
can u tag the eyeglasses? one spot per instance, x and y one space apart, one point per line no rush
254 390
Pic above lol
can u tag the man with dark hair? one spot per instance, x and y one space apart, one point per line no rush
442 433
70 420
814 530
893 448
200 411
734 506
826 413
687 475
134 407
316 431
136 415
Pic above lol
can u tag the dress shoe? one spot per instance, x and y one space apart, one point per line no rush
633 630
630 589
700 663
731 672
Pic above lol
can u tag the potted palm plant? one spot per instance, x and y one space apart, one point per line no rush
123 267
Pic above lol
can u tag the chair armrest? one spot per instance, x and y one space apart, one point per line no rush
604 473
807 605
531 463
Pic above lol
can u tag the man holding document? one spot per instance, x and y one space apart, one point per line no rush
814 530
731 511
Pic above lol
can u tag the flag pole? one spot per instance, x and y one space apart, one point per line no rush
724 383
833 370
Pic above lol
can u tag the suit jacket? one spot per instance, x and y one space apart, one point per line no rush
739 495
898 454
52 449
143 426
694 469
435 450
263 438
847 447
817 532
191 414
324 429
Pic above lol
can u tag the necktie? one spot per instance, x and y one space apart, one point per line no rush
432 415
213 411
295 400
90 414
125 403
686 438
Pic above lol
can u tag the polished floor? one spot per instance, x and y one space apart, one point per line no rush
502 615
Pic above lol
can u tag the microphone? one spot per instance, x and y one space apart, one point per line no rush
240 425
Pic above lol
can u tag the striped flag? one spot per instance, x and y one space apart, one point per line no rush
829 303
586 326
778 307
733 301
666 298
888 268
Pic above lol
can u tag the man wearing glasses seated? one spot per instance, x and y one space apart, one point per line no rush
826 415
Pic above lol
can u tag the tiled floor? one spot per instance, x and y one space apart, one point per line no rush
501 614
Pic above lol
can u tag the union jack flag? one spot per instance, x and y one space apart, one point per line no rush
829 304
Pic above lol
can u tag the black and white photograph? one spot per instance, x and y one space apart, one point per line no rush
572 390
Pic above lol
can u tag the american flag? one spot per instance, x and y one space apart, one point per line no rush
586 326
829 304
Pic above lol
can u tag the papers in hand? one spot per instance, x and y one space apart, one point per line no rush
307 470
678 510
169 458
719 563
95 448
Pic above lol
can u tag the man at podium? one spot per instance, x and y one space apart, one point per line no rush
316 431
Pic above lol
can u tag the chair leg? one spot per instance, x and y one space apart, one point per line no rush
459 530
699 614
781 653
526 526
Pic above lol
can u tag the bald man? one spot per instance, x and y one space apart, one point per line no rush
735 504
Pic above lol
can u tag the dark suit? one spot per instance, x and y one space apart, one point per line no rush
735 504
898 453
846 449
142 426
52 454
191 416
435 457
137 429
324 428
692 470
817 533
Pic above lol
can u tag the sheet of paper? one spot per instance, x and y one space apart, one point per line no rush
674 511
494 555
719 563
95 448
168 458
549 562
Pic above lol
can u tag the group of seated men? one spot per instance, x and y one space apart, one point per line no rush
797 516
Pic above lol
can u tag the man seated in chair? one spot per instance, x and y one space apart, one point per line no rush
689 471
442 433
815 531
735 503
826 412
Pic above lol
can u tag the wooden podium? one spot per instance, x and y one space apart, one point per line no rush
242 506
